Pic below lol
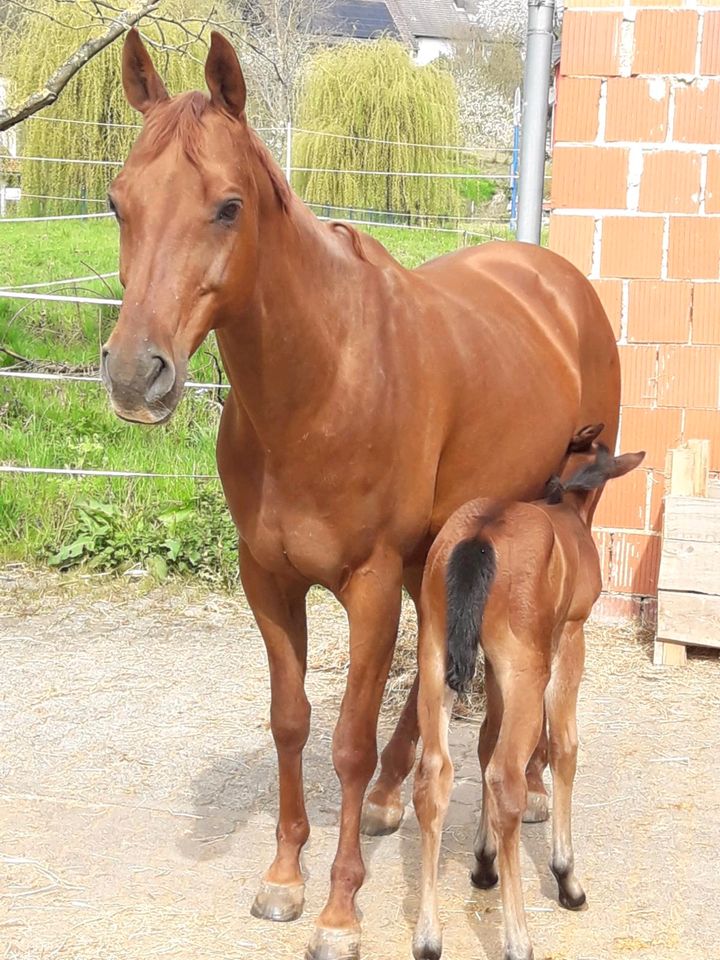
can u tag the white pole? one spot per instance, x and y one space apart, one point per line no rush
533 137
288 152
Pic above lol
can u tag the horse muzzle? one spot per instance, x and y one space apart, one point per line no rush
144 387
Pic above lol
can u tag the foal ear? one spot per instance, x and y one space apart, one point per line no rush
224 77
626 462
143 87
583 439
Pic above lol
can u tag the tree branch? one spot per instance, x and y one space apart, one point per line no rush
67 70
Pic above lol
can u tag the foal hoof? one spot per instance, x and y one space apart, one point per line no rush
279 901
427 946
570 894
485 875
379 821
537 810
327 943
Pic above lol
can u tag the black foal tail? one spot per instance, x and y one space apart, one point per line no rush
469 576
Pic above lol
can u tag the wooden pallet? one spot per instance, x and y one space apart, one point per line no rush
689 580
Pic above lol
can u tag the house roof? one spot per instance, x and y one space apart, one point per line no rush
432 18
361 19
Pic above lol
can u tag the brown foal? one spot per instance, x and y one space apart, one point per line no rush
520 579
363 397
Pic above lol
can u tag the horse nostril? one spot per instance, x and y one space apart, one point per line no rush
159 364
160 378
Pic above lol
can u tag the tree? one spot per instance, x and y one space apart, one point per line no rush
102 126
400 114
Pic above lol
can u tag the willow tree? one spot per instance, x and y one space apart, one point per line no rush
370 108
48 33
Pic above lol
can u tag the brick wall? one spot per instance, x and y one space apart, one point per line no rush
636 206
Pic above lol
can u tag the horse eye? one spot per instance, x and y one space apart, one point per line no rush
229 212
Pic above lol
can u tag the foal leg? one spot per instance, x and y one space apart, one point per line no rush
372 600
433 784
279 609
561 701
384 808
484 874
522 693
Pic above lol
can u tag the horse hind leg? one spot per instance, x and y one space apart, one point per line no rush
484 874
561 704
384 808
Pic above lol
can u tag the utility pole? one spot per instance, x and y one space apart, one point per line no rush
533 138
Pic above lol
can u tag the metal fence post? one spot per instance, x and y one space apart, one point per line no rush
533 139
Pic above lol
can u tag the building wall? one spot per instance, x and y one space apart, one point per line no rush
636 206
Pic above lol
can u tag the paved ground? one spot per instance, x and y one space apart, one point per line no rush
137 793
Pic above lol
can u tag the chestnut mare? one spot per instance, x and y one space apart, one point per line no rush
520 579
368 402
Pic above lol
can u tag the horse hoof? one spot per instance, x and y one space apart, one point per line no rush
327 943
281 902
379 821
427 946
572 901
537 810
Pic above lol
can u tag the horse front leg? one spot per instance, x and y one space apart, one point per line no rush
372 601
279 608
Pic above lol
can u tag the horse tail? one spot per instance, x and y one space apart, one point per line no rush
470 574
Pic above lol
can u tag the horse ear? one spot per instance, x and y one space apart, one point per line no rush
583 439
224 76
626 462
143 87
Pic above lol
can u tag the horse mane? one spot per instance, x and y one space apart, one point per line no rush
180 119
356 240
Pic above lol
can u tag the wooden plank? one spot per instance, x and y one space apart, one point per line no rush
692 518
691 618
701 451
682 472
690 565
669 654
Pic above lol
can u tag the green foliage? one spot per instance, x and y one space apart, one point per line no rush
195 536
37 45
374 90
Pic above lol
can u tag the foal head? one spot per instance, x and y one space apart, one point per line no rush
188 202
590 465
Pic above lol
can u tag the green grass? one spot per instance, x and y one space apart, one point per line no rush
177 525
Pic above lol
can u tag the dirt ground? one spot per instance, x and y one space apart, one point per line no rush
138 792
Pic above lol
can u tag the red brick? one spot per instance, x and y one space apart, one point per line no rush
710 57
688 377
610 294
652 430
706 313
670 182
705 425
577 109
631 247
694 250
590 44
592 177
602 540
632 112
623 502
572 238
712 183
659 311
665 41
638 367
634 563
697 112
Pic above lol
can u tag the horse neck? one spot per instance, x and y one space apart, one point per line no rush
282 354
